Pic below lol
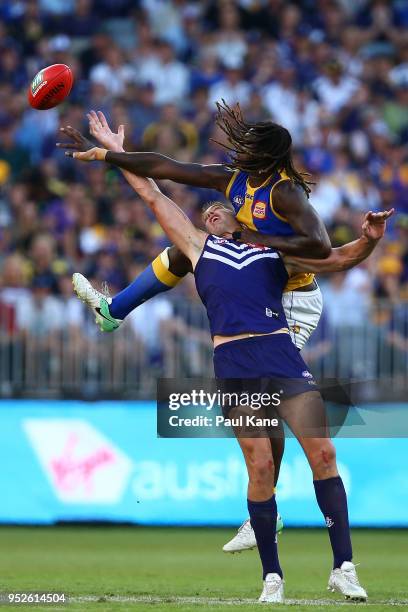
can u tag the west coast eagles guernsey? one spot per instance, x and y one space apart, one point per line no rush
254 208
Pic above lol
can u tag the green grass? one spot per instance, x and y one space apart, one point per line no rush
187 563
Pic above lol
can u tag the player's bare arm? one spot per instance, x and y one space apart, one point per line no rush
154 165
289 200
213 176
349 255
99 128
311 239
175 223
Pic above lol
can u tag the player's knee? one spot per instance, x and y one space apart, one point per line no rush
323 458
261 470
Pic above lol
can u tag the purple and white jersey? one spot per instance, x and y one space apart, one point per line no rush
241 286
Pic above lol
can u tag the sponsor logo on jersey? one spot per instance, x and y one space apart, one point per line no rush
249 196
306 374
81 464
271 313
259 210
219 240
238 200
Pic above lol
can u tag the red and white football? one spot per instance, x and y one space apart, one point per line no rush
50 86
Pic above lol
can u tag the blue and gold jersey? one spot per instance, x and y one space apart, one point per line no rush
254 208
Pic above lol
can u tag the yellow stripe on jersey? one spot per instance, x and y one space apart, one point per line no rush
230 184
245 214
284 177
299 280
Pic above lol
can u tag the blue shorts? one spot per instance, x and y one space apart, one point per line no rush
268 359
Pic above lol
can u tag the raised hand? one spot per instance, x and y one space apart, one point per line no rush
374 224
94 154
100 130
78 141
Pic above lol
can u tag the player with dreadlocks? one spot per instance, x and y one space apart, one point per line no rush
271 202
262 148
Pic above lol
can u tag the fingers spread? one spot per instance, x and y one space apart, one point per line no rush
96 120
102 119
93 122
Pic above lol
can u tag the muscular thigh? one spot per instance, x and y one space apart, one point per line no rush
305 414
179 264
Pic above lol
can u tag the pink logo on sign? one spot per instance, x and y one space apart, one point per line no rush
70 472
82 465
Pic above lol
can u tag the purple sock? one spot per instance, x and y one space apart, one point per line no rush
332 500
263 520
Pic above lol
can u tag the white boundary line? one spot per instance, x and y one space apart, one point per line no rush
214 601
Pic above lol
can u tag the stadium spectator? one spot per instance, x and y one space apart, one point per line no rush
337 77
149 324
342 308
113 72
233 88
169 77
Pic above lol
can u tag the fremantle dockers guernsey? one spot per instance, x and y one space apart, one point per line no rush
241 286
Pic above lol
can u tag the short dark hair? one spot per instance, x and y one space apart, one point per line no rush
263 147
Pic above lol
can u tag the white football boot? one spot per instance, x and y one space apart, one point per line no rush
272 590
98 302
245 537
344 580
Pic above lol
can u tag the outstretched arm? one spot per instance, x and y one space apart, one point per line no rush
212 176
310 239
175 223
100 130
348 255
154 165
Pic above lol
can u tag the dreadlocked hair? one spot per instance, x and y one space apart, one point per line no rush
258 148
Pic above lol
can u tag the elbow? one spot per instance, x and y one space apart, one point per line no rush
320 249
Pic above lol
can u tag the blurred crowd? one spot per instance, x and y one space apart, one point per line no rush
334 72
